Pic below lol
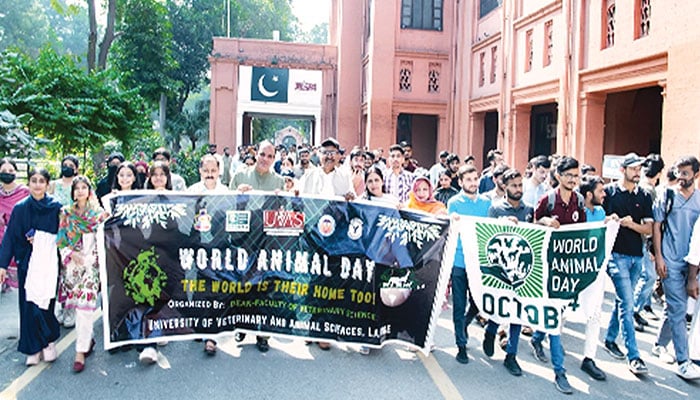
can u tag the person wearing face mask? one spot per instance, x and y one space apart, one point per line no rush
141 173
105 184
11 193
60 188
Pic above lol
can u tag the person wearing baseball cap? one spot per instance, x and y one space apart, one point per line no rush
633 207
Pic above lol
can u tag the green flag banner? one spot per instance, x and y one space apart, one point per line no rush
527 274
269 84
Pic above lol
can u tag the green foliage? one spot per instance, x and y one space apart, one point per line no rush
143 52
15 142
23 24
318 34
192 124
186 163
77 112
194 23
142 147
265 128
33 24
257 19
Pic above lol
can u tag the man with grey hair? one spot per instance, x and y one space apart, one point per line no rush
260 176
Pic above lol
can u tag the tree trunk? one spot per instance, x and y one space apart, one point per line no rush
92 36
161 114
109 34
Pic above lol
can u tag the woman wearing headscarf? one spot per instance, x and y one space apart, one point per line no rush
31 239
421 198
11 193
80 277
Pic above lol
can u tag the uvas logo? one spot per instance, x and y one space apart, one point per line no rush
283 222
510 258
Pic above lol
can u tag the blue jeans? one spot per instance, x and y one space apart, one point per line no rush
674 325
513 336
556 349
624 271
460 317
645 284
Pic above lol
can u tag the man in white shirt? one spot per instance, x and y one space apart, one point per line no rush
535 187
328 180
209 177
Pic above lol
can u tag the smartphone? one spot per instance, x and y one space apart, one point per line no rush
30 233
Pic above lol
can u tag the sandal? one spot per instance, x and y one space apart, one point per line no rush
210 347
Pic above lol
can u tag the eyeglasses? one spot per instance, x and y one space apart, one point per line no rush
570 176
329 152
682 174
270 156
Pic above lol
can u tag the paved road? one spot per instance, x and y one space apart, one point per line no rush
292 370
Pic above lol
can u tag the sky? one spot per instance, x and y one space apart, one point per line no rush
311 12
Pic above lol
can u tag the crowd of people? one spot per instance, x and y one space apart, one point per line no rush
652 256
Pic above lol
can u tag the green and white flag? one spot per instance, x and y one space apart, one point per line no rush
269 84
527 274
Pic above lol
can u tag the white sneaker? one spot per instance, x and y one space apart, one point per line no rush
688 370
59 313
148 356
663 354
69 318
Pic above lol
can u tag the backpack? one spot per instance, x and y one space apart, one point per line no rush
552 196
668 206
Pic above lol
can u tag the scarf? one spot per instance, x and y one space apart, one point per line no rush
72 225
431 206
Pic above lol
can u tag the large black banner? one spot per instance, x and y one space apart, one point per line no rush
183 266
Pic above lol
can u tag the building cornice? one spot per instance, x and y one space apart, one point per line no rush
539 14
540 93
486 43
422 54
483 104
403 106
629 75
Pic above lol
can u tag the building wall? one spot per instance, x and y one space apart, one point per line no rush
364 99
681 127
391 49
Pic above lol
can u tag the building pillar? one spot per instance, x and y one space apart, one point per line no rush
224 98
476 143
590 137
518 147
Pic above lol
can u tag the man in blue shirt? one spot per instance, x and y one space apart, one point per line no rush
469 203
673 224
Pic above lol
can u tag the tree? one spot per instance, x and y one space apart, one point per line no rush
194 24
318 34
192 124
143 52
15 142
258 18
76 111
23 24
